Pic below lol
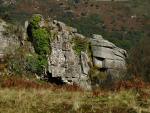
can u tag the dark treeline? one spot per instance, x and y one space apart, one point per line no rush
139 60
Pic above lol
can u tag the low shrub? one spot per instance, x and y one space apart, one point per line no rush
22 62
36 64
97 77
80 45
40 38
41 41
34 22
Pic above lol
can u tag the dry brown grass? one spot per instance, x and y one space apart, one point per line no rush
61 101
135 83
21 95
22 83
14 82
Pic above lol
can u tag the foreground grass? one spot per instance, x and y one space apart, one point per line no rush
59 101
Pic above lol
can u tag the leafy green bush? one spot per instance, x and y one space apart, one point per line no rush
40 38
16 61
41 41
22 63
16 66
35 64
35 21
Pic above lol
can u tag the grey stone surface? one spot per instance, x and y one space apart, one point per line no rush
114 64
108 56
97 40
97 62
8 42
106 53
64 62
84 62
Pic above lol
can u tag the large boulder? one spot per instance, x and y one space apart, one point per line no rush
108 57
73 68
74 58
74 61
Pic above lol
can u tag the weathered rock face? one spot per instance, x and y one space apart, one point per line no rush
108 57
72 68
8 42
63 61
68 60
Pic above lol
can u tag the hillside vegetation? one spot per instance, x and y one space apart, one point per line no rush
123 22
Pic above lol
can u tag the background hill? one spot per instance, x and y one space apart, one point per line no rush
124 22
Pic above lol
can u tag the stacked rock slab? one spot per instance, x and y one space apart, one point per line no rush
108 57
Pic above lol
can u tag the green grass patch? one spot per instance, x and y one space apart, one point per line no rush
80 45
